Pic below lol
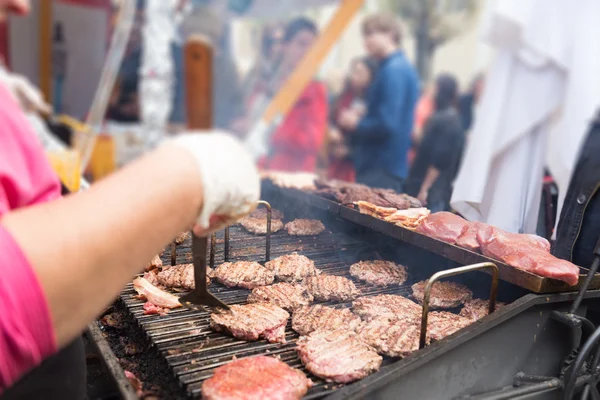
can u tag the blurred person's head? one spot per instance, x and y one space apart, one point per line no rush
13 6
382 35
299 36
446 91
361 74
272 42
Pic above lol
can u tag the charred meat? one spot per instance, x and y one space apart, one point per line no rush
318 317
331 287
258 226
257 377
285 295
477 308
443 294
337 356
379 273
396 337
244 274
292 267
385 306
252 321
305 227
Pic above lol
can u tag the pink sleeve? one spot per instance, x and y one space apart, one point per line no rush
26 332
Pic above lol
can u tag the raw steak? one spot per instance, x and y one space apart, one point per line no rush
385 306
526 253
337 356
396 337
284 295
258 226
468 239
330 287
305 227
478 308
443 226
292 267
244 274
256 378
443 294
442 323
379 273
252 321
318 317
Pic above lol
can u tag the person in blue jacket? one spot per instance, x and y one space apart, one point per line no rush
380 139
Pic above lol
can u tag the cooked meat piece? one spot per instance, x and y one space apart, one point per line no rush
354 194
527 253
292 267
337 356
183 236
414 202
154 295
468 239
155 263
151 309
180 276
262 213
330 194
380 273
397 337
114 320
478 308
365 207
410 218
305 227
258 226
396 200
260 377
443 226
330 287
318 317
385 306
442 323
443 294
284 295
244 274
152 277
252 321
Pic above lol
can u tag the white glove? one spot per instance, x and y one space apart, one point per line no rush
27 95
230 180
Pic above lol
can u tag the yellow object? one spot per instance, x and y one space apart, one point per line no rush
295 84
66 164
103 161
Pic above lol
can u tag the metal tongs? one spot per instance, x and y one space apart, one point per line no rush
200 296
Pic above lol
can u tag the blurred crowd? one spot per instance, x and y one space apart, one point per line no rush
385 128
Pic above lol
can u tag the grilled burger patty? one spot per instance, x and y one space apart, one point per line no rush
305 227
244 274
477 308
385 306
397 337
260 377
443 294
292 267
183 236
262 213
338 356
252 321
258 226
284 295
379 273
442 323
318 317
331 287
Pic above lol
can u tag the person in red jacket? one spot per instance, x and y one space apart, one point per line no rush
296 143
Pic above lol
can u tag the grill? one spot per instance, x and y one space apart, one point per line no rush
192 350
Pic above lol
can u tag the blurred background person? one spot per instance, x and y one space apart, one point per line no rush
296 143
438 157
468 101
424 109
362 71
381 138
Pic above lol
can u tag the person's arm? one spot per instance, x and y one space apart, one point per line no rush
381 123
85 247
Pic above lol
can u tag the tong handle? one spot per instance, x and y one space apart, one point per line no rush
452 272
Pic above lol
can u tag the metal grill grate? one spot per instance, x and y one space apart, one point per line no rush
192 350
